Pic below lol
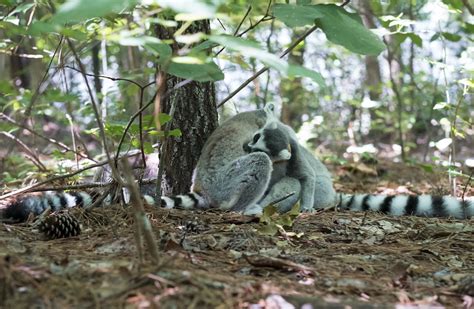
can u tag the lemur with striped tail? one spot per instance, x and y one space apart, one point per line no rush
274 138
226 176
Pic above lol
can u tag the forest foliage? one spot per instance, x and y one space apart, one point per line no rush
353 78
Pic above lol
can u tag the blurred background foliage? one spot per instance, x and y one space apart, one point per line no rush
411 102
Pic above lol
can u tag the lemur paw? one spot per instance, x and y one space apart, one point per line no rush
308 210
255 210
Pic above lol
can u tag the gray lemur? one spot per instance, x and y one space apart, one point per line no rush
225 176
230 178
291 162
280 143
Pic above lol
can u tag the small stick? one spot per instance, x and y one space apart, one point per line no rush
142 223
281 199
277 263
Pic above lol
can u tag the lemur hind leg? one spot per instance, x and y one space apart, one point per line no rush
281 189
324 194
243 182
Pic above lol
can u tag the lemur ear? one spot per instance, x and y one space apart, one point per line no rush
269 108
285 154
270 111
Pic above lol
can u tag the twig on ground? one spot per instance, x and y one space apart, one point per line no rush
277 263
142 223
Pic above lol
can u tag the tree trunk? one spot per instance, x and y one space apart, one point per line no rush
292 90
195 115
373 79
19 69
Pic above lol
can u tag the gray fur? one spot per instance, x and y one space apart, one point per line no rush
226 176
315 190
311 174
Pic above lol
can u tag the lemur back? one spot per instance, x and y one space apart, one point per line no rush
269 140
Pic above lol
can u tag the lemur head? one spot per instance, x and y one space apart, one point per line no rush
271 140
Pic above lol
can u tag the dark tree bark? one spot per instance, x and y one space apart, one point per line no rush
19 69
96 66
195 115
373 79
292 90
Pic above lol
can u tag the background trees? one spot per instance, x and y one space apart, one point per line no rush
340 86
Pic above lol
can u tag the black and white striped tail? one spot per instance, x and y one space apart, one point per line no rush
415 205
189 200
20 208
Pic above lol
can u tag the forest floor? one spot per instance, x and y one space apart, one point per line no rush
329 259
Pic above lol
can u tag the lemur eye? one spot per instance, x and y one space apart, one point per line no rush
256 137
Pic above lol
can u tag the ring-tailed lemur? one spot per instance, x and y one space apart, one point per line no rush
293 161
274 139
225 177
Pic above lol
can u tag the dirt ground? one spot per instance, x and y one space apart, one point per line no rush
328 259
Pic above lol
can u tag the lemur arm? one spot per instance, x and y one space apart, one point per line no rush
301 169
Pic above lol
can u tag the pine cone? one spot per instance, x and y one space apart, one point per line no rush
60 225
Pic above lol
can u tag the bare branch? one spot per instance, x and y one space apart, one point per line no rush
53 179
36 94
264 69
33 156
52 141
100 124
143 225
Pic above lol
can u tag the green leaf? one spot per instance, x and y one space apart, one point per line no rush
160 49
416 39
199 72
175 133
163 118
148 147
22 8
455 4
268 213
435 36
427 167
203 46
346 29
40 27
80 10
74 34
296 70
451 36
296 15
400 37
340 27
251 49
268 229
